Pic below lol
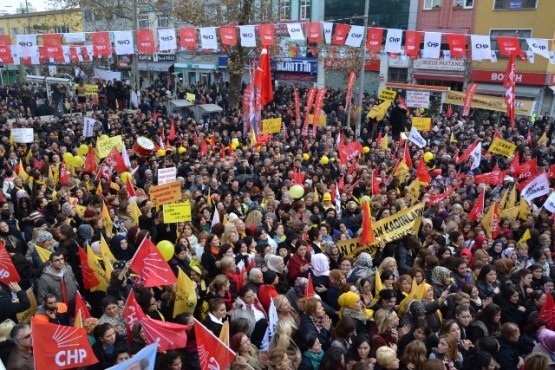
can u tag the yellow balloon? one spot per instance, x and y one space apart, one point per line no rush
166 249
103 137
296 191
161 152
428 156
235 141
366 150
324 160
78 161
234 145
68 157
83 149
124 176
181 150
306 156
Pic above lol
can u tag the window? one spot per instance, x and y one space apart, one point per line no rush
61 29
284 9
2 31
397 74
467 4
143 22
305 10
521 34
515 4
163 21
27 31
40 29
87 14
430 4
15 31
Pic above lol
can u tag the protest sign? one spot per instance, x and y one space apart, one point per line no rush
166 193
166 175
422 123
502 147
23 135
177 212
104 147
271 125
386 94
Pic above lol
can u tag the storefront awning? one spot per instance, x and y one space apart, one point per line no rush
154 66
531 92
438 77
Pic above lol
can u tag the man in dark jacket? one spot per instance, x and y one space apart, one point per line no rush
508 356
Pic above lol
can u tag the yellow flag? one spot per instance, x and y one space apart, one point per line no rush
487 221
105 250
253 138
511 203
385 142
44 254
21 172
503 200
97 270
402 171
511 213
421 290
80 210
525 236
414 191
185 295
50 173
209 198
108 267
135 212
543 139
409 298
379 111
523 210
99 189
316 196
108 224
11 139
78 320
452 139
224 333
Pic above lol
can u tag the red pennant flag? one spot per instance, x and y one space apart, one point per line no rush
228 35
114 160
81 307
188 37
263 78
212 352
509 46
449 112
495 221
6 49
64 175
401 101
37 163
367 235
422 172
547 312
457 45
515 164
309 291
60 347
406 156
169 335
468 152
149 264
529 137
145 41
52 44
468 97
89 278
314 32
90 162
203 147
375 185
129 187
374 40
478 207
340 34
491 178
132 313
171 136
412 43
101 44
8 272
267 34
510 89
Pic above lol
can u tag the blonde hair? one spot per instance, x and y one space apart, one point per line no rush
5 328
382 318
225 262
385 356
386 261
218 283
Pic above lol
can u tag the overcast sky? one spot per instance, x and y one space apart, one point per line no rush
10 5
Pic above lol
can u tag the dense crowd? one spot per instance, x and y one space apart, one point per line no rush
479 297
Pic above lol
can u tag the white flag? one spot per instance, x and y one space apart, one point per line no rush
88 126
295 31
272 326
208 38
27 45
432 45
66 52
167 39
530 56
416 138
123 42
476 154
550 203
536 188
74 37
539 46
355 36
125 157
481 47
328 30
393 41
493 56
15 55
248 36
552 57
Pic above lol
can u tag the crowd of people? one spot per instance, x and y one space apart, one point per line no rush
479 300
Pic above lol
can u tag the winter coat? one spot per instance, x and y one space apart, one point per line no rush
50 282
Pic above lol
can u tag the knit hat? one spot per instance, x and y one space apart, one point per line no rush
269 277
43 237
416 310
348 299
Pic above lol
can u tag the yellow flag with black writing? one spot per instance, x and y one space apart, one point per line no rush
511 202
97 270
414 191
185 294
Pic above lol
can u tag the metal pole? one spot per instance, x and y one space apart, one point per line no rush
135 65
361 74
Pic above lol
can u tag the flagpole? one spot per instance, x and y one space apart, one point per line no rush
361 73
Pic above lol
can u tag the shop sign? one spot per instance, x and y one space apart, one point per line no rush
296 65
523 78
440 64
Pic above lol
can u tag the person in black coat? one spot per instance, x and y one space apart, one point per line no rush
8 308
508 356
398 118
105 347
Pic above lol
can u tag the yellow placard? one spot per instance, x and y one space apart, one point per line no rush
166 193
321 120
103 147
25 316
90 89
422 123
496 103
191 97
80 210
386 94
271 125
502 147
177 212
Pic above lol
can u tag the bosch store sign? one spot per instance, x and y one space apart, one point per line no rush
296 65
537 79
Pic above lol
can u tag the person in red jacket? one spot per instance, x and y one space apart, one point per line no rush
268 290
299 264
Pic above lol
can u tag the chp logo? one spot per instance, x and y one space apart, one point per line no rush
66 340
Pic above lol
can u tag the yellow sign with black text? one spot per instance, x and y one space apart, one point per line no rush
271 126
177 212
422 123
104 147
502 147
386 94
166 193
496 103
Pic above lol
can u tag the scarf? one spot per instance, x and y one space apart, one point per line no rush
317 321
353 314
315 358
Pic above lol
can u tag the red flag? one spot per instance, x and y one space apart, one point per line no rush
263 78
212 352
188 37
314 32
350 83
228 35
37 163
171 136
8 272
64 175
449 112
85 53
527 169
495 221
490 178
60 347
149 264
132 313
298 176
468 152
297 105
73 54
145 41
374 40
515 164
412 43
340 34
379 139
267 34
350 151
551 172
529 137
81 307
375 185
89 278
457 45
547 312
309 291
406 155
90 162
169 335
317 108
401 101
422 172
309 101
101 44
129 187
203 147
6 49
510 86
509 46
468 97
478 207
367 235
114 160
52 44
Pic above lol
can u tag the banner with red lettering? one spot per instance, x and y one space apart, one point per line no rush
188 37
350 83
457 45
350 151
309 101
317 107
491 178
340 34
85 53
145 41
8 272
374 40
297 105
267 34
101 44
6 49
53 46
314 31
470 91
510 89
228 35
73 54
412 43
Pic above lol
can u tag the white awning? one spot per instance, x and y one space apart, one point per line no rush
531 92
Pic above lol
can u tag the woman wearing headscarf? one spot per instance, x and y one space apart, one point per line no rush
276 264
546 345
321 270
362 268
441 280
121 249
351 306
85 234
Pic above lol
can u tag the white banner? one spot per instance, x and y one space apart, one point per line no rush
35 57
295 31
74 37
66 52
476 154
536 188
167 40
418 99
88 126
328 30
101 74
123 42
355 36
539 46
393 41
23 135
166 175
208 38
15 54
550 203
432 45
90 51
27 45
248 36
481 47
416 138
